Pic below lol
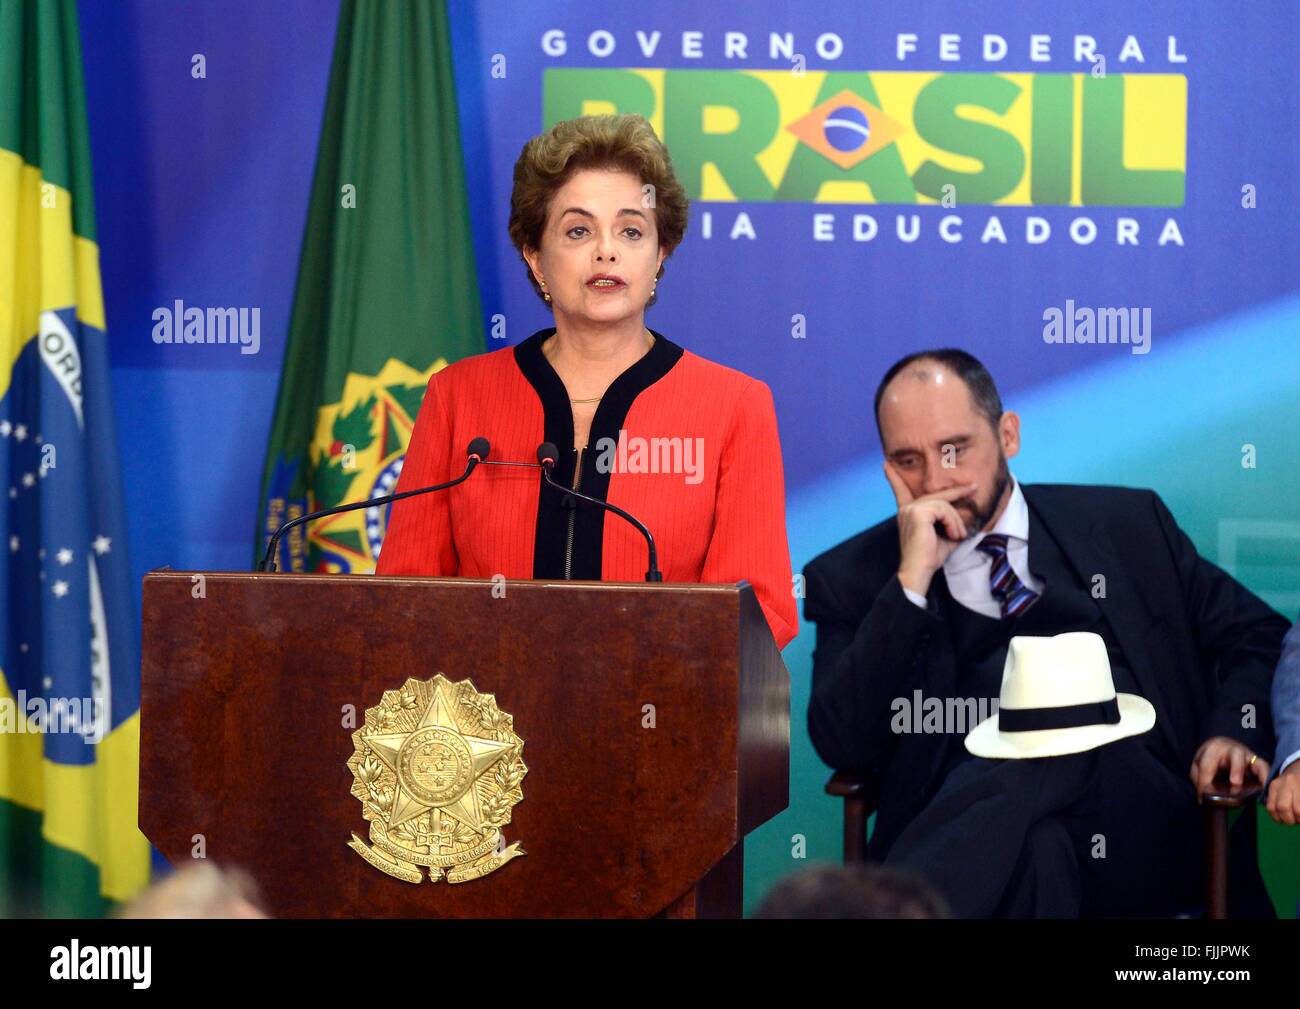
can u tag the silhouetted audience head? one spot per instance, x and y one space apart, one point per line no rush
199 890
853 891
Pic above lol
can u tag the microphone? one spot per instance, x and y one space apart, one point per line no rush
477 452
547 453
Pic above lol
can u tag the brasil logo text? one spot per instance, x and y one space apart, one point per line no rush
902 137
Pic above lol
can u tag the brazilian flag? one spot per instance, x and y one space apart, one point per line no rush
387 289
69 659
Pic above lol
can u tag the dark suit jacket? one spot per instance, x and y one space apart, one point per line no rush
1199 644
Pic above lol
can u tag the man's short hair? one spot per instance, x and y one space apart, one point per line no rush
853 891
967 367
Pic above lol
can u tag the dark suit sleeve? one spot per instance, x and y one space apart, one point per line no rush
859 666
1237 634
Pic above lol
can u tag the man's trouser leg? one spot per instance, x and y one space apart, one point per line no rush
991 839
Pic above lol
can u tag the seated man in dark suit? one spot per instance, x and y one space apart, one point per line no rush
921 607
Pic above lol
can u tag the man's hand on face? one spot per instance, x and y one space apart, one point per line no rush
923 549
1284 796
1219 752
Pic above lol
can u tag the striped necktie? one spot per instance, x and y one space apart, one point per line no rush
1014 595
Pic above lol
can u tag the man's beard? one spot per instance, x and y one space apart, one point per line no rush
984 514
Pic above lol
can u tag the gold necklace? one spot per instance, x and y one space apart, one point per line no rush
597 399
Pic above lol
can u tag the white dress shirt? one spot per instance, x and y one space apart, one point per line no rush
967 569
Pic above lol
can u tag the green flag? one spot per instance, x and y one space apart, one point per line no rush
387 291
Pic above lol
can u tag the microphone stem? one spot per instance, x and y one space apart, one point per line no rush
653 574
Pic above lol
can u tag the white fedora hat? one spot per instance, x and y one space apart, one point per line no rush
1058 697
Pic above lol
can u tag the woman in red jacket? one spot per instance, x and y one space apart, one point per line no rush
687 446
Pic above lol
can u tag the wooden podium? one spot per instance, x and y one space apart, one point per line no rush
247 679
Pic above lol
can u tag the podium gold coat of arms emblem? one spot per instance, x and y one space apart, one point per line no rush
438 768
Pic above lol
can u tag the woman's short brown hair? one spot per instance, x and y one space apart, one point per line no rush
625 142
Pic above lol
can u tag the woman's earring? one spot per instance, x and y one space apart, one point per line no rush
546 295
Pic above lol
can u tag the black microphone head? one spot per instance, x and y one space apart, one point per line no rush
547 453
479 448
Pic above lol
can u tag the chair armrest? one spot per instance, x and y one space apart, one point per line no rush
849 785
1221 793
1220 797
859 794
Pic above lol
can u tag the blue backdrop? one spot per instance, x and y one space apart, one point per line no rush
1179 150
